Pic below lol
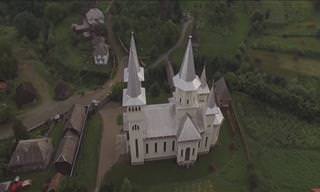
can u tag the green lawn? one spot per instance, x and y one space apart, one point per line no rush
284 64
86 167
165 175
284 148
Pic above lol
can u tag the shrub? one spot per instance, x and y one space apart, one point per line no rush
25 93
116 92
62 91
27 25
20 131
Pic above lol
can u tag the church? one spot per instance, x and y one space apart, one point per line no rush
182 129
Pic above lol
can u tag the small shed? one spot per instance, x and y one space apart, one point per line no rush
100 51
223 96
76 119
30 155
66 153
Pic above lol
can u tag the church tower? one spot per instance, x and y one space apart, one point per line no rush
187 83
133 102
203 90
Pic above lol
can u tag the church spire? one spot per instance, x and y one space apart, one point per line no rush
133 52
134 84
212 99
187 71
203 78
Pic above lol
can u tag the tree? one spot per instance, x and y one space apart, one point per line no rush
116 92
72 185
155 89
20 131
25 93
126 186
6 113
55 12
27 25
318 34
8 63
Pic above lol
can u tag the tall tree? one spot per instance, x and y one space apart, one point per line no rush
8 63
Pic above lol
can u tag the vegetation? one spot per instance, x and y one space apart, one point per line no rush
8 64
230 172
284 148
87 165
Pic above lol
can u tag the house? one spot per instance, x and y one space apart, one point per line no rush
76 119
100 51
30 155
93 18
182 129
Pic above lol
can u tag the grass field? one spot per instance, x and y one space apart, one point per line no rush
285 149
230 174
285 64
86 168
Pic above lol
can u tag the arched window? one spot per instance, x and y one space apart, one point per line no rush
129 108
180 100
187 101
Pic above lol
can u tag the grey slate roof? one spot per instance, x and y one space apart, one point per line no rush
212 106
187 70
32 152
204 88
133 52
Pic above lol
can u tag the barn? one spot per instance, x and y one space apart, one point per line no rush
30 155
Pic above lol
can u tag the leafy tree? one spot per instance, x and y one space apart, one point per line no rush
155 89
8 64
20 131
318 34
116 92
27 25
55 12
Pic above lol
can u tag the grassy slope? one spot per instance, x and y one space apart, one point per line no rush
231 174
284 148
87 164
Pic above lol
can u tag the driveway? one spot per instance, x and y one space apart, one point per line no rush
109 151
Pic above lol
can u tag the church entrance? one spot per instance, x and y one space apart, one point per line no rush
187 155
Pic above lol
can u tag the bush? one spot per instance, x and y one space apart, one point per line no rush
62 91
25 93
116 92
55 12
6 113
8 63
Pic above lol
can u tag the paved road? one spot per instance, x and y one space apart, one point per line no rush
109 151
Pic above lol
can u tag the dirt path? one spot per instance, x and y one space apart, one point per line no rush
109 153
185 29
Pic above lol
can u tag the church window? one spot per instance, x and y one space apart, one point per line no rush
199 144
206 143
193 150
137 148
181 153
180 100
127 135
147 148
188 101
173 145
129 109
155 147
165 146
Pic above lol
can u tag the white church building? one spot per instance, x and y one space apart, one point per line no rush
182 129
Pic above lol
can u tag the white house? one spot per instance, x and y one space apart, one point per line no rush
185 127
100 51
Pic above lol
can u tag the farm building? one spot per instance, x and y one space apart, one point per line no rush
68 147
223 96
30 155
76 119
66 153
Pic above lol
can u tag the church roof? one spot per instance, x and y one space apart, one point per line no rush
212 106
134 84
160 120
187 70
204 88
187 79
188 131
133 60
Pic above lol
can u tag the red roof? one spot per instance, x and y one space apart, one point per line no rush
315 190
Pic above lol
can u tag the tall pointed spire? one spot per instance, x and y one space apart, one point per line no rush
133 52
187 71
212 98
203 78
134 84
